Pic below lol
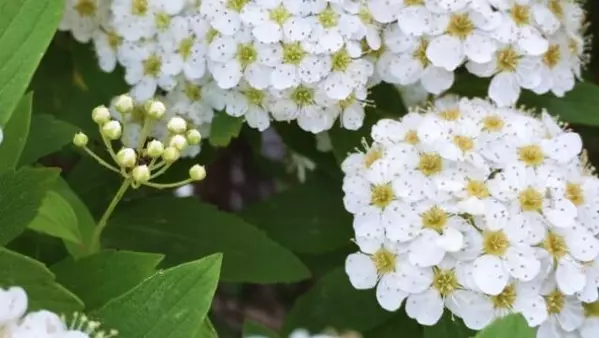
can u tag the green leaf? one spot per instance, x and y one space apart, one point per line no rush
26 28
42 291
511 326
333 302
56 218
207 330
21 194
224 128
106 275
15 134
324 228
184 229
253 329
47 135
85 221
170 304
448 327
400 326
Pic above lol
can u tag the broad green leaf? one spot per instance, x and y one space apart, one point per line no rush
46 249
15 134
252 329
21 194
85 221
224 128
43 292
512 326
170 304
26 28
399 326
56 218
207 330
448 327
324 228
334 303
46 136
185 229
111 273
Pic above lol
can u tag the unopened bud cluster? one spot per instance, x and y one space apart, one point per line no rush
143 157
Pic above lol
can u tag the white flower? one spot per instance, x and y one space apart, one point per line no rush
331 28
251 103
185 52
556 70
148 71
13 304
276 20
188 100
106 46
566 314
83 18
224 15
590 326
347 74
137 19
393 276
297 67
518 26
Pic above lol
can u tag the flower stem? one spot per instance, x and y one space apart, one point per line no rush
168 185
95 245
100 160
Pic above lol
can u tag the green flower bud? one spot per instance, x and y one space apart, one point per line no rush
155 149
197 172
171 154
177 125
112 130
193 137
80 140
126 158
124 104
178 141
101 115
141 174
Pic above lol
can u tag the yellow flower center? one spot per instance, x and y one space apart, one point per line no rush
237 5
185 47
477 189
302 96
255 96
531 200
328 18
139 7
413 2
162 20
434 218
412 137
293 53
114 40
553 56
521 14
381 195
340 60
365 15
384 261
591 309
211 35
279 14
460 26
555 302
493 123
506 299
192 92
452 114
555 245
371 156
420 53
555 6
246 54
430 164
574 193
152 66
531 155
445 281
463 142
507 60
495 243
86 7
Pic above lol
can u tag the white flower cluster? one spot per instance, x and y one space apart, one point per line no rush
14 323
313 61
484 210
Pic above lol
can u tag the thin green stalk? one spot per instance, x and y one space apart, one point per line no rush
100 160
104 220
168 185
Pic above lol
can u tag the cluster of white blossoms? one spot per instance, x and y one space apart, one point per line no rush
314 61
15 323
482 210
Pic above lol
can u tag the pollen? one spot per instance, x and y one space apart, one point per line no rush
86 8
477 189
303 96
237 5
521 14
381 195
531 200
114 40
506 299
246 54
495 243
463 142
185 47
279 14
555 245
555 6
420 53
340 60
532 155
452 114
574 194
348 101
413 2
435 219
460 26
591 309
365 15
411 137
371 156
493 123
445 281
553 56
328 18
293 53
255 96
211 35
139 7
555 302
507 60
162 20
192 92
152 66
384 261
430 164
